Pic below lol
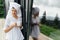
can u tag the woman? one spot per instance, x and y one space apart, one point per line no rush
35 24
13 23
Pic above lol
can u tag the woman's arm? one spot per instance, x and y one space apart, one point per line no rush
9 28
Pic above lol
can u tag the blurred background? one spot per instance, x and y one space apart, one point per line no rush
1 9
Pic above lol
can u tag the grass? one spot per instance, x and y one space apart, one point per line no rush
50 31
46 29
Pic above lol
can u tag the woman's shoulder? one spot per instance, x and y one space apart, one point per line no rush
8 18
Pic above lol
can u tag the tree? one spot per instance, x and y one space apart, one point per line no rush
56 20
43 20
1 9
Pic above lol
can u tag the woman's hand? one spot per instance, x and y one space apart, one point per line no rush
19 26
14 24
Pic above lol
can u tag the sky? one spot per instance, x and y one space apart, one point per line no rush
48 2
52 7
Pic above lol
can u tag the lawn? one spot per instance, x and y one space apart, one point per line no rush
50 31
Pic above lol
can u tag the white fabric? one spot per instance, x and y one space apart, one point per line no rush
35 30
16 6
15 33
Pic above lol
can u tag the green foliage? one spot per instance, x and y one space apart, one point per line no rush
46 29
43 20
1 1
56 21
1 9
51 32
55 35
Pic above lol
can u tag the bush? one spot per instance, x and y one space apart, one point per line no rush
1 9
50 23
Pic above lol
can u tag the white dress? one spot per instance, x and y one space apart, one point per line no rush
35 30
15 33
